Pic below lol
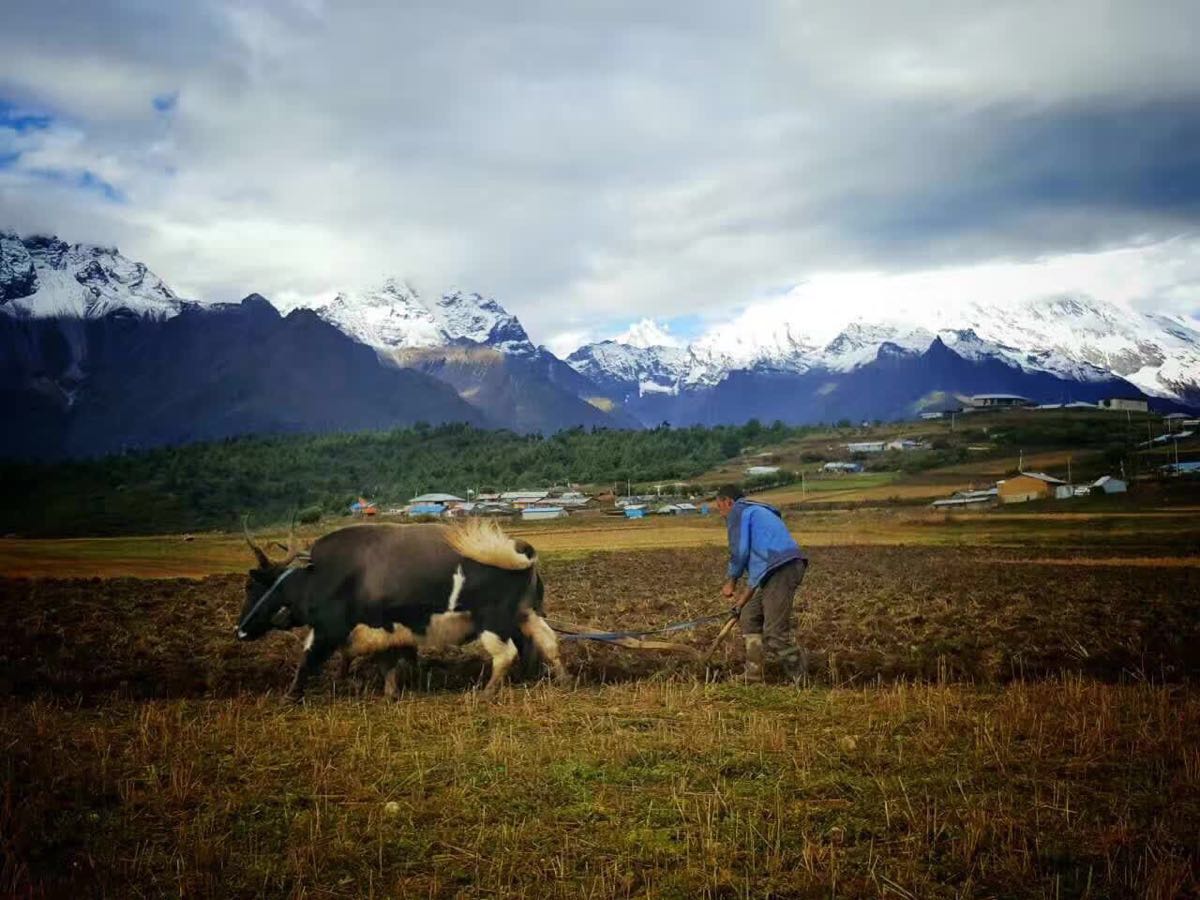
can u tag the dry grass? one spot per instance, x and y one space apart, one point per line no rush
666 790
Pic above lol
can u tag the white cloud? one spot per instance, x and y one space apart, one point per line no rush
821 307
564 342
597 163
648 333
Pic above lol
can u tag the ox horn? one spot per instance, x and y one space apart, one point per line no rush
293 549
263 561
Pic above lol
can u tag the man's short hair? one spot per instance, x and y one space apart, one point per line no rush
729 492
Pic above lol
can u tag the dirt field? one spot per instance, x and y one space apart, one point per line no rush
982 721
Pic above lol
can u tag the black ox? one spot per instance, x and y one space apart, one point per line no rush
390 589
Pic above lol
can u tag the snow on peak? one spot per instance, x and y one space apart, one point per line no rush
41 276
1070 335
395 316
390 316
647 333
859 344
481 320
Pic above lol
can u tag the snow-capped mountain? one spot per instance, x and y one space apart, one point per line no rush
41 277
616 367
1076 338
395 316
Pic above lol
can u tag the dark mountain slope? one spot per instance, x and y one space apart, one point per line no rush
87 387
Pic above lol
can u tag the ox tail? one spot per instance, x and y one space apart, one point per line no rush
483 541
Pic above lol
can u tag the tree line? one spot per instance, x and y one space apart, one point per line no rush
210 485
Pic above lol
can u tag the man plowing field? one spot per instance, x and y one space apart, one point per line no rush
762 549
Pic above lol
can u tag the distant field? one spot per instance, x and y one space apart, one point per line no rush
209 554
1053 463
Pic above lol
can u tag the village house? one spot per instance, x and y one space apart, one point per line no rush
1110 485
1027 486
1132 404
522 499
542 513
968 498
754 471
905 445
842 467
997 401
437 498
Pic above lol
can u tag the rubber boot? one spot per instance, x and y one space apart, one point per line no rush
754 659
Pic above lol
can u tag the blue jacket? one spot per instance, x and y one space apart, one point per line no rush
759 542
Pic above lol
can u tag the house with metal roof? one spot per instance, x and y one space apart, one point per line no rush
995 401
437 498
1027 486
435 510
540 513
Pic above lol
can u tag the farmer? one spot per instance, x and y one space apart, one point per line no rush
761 547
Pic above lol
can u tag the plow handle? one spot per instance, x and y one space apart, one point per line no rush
742 600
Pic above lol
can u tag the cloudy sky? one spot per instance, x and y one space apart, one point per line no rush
593 164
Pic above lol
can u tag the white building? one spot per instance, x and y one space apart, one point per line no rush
995 401
1133 404
1110 485
842 467
437 498
540 513
762 470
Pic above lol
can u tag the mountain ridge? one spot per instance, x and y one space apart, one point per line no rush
1081 339
61 346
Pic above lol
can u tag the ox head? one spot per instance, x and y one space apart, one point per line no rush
266 606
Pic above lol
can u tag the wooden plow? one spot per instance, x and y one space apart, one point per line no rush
645 640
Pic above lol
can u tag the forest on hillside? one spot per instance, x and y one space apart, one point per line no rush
211 485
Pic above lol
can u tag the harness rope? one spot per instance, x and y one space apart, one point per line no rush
612 636
263 599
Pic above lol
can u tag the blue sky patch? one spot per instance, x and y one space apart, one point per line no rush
165 103
20 120
84 181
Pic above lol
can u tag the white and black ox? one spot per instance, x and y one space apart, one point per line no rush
370 589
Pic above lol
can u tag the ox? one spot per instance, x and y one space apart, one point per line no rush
368 589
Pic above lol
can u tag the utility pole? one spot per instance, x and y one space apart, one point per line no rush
1068 468
1021 461
803 487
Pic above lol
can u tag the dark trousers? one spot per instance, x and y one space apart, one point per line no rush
769 613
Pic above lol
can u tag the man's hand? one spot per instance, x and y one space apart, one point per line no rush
727 589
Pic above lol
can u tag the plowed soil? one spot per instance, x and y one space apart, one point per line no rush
864 614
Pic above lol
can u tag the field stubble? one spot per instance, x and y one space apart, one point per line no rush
975 728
